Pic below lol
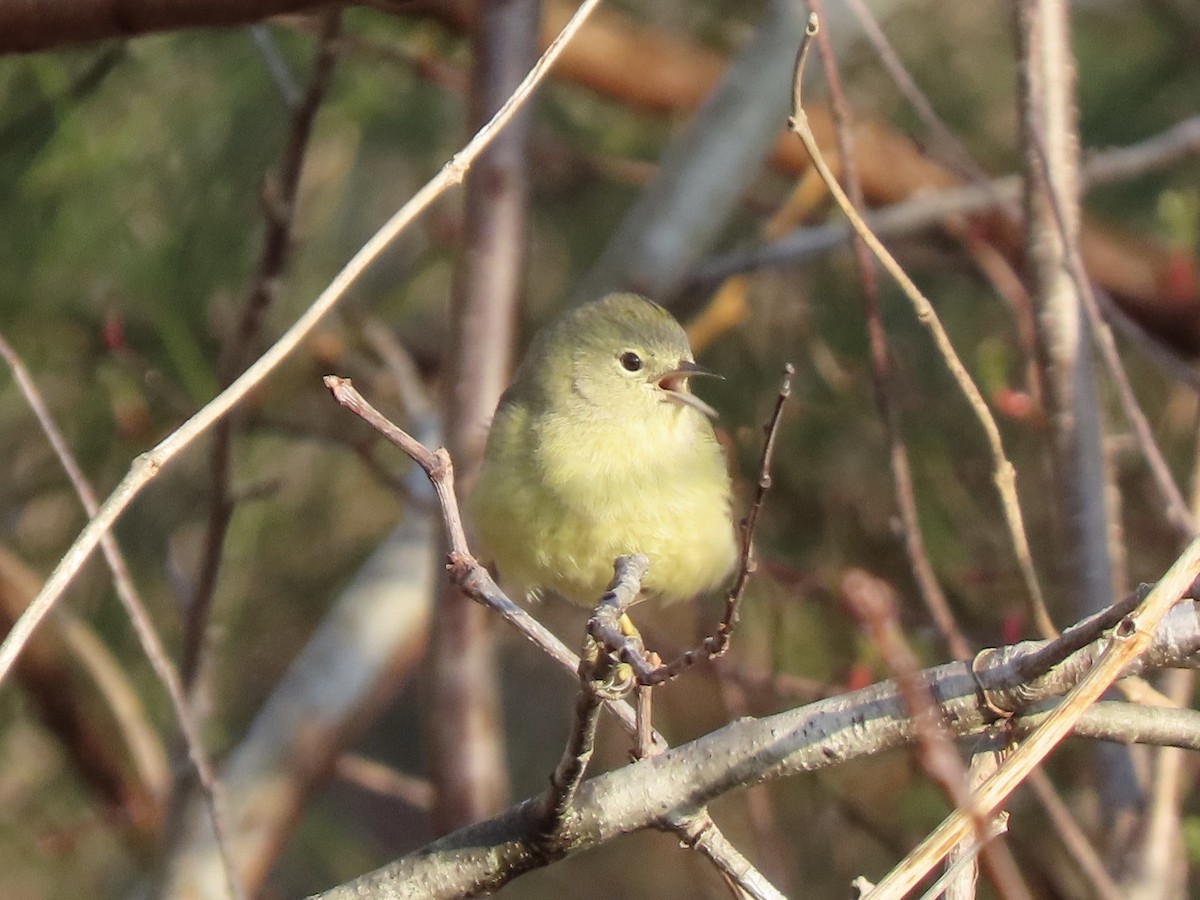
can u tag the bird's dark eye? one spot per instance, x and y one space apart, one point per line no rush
630 361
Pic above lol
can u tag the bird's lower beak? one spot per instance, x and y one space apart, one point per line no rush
675 386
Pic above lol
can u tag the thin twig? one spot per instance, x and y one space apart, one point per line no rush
873 604
994 266
102 738
1173 362
1177 511
928 209
464 568
716 644
931 591
383 780
773 846
277 67
147 465
699 832
946 139
1174 144
148 637
1079 635
598 680
1068 831
1004 475
941 887
279 206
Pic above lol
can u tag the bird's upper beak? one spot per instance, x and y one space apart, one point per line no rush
674 385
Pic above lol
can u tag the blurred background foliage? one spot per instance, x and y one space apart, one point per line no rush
131 182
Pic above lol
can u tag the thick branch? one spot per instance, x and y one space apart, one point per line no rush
659 790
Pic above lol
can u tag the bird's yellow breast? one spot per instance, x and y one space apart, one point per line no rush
559 498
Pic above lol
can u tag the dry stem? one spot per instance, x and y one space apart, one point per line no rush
1004 475
147 465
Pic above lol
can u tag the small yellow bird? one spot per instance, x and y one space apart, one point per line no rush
599 450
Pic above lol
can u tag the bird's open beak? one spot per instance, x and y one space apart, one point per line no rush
675 386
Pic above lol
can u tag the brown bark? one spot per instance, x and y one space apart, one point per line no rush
27 26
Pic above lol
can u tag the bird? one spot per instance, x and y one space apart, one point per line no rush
599 449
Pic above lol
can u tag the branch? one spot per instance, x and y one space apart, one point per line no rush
148 637
1132 636
657 791
932 208
30 27
146 466
597 678
1004 475
465 570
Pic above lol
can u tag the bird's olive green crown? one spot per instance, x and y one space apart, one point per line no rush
621 338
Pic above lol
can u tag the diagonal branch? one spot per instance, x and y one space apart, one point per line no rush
653 793
1004 475
146 466
136 610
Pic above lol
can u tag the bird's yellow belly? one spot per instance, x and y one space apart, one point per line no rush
570 550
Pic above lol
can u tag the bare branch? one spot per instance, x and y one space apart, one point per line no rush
1130 639
716 644
136 610
1004 475
598 678
464 568
146 466
654 792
